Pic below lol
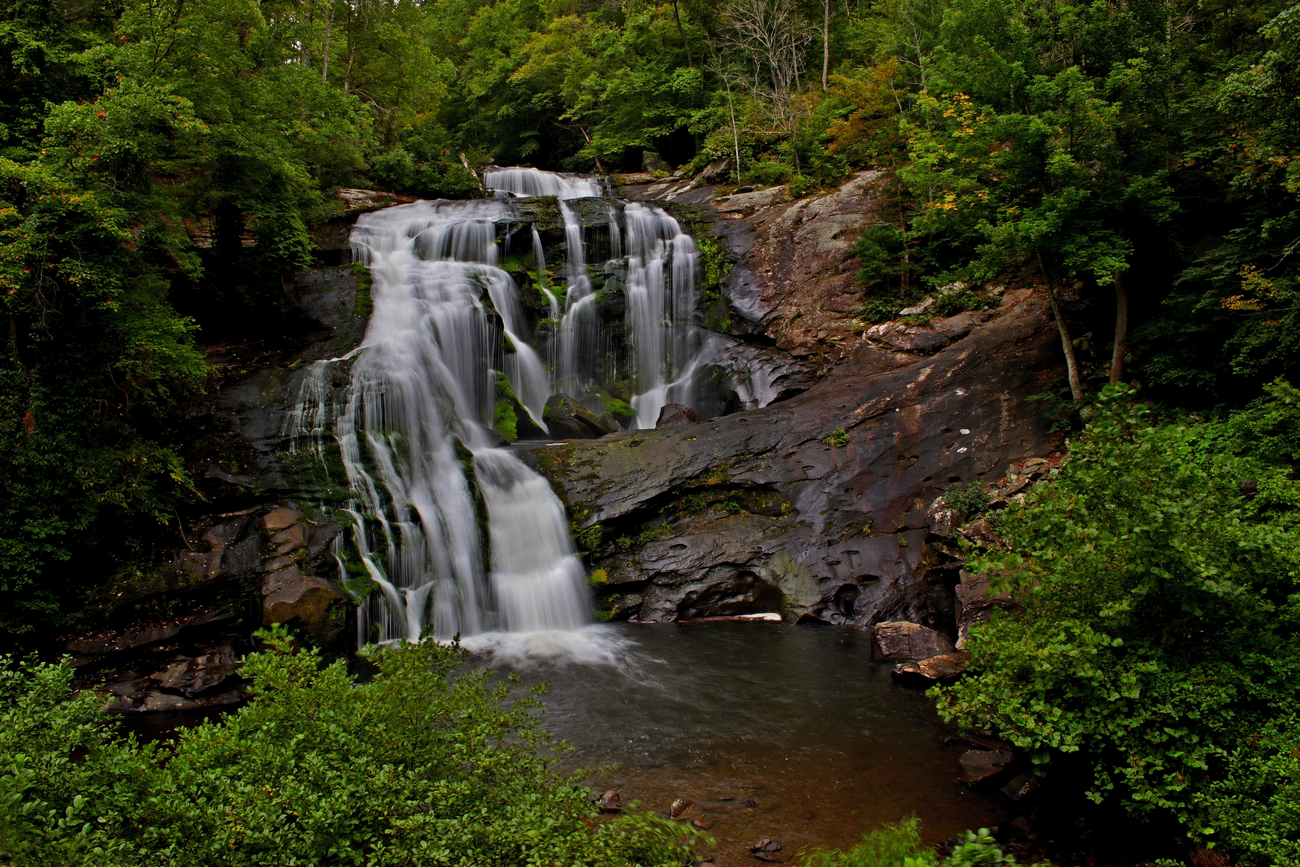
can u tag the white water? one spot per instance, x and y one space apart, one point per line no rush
413 424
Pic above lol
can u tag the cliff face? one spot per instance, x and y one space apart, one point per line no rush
814 506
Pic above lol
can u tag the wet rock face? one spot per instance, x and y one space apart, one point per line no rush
262 382
861 427
794 278
851 463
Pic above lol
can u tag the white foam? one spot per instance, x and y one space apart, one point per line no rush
591 645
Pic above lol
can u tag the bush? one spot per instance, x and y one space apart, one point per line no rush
900 845
429 763
1160 631
1256 803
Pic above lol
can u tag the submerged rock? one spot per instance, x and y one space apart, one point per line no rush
978 766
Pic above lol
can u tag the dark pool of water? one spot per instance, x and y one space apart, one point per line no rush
792 733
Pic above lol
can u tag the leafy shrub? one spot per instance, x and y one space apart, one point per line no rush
416 766
978 849
767 173
1159 630
802 185
882 250
891 846
970 498
959 301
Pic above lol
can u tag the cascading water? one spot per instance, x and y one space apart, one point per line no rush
661 263
424 470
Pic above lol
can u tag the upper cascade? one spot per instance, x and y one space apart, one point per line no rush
458 533
535 182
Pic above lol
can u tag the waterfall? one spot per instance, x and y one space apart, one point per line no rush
420 461
458 534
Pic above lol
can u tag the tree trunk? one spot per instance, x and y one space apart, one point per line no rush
826 44
682 32
325 55
1071 362
735 135
1121 331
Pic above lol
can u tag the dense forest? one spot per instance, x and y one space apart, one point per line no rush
162 164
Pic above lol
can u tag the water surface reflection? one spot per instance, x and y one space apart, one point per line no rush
792 733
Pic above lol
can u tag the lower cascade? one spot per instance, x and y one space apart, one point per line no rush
458 533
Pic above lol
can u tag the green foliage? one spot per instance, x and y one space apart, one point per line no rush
958 301
1255 804
505 420
416 765
587 539
94 355
838 438
1160 632
882 249
897 845
978 849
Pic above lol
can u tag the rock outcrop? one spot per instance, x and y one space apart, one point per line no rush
674 414
842 472
179 627
904 641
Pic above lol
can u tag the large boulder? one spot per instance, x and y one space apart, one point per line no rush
674 414
569 420
900 640
652 162
716 172
304 602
